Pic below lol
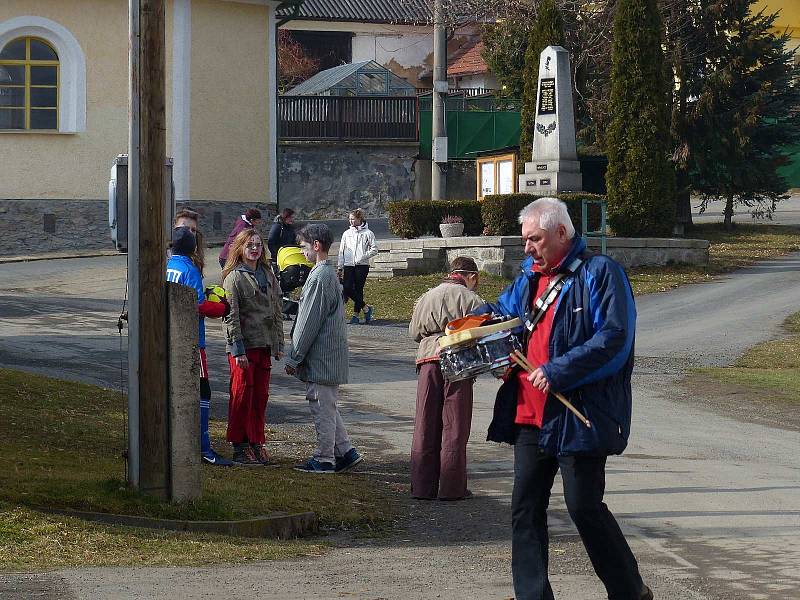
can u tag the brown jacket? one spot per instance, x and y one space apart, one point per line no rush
434 310
255 320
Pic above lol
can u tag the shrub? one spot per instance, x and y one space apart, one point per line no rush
414 218
640 178
500 212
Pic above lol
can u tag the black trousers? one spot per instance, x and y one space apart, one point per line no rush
354 280
584 486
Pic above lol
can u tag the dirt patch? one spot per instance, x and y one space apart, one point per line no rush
744 403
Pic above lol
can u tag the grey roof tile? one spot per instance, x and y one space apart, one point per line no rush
369 11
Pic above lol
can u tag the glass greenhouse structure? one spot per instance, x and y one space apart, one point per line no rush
355 79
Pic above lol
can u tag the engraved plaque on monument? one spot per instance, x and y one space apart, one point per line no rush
554 154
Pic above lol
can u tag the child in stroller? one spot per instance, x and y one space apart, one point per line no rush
293 269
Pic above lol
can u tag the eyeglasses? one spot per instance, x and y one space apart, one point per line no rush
254 246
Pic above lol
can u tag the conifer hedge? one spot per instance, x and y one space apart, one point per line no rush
640 179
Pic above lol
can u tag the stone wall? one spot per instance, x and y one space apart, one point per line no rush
324 180
501 255
38 226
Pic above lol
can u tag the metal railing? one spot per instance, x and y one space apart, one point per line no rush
597 233
348 118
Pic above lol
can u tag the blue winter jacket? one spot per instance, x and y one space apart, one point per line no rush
591 353
181 269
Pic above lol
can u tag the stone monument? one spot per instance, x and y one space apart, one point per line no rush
554 167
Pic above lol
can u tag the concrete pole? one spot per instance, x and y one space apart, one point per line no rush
147 349
440 88
184 390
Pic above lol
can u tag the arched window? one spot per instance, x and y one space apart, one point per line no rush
29 79
32 50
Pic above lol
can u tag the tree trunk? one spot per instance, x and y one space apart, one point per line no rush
728 212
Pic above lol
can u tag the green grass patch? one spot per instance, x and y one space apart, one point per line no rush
61 445
772 366
394 298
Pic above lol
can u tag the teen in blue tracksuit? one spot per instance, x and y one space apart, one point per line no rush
582 346
181 269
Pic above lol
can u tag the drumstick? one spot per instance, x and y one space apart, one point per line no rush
522 361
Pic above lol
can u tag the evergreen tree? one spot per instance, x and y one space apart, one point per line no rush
690 36
548 30
746 112
504 45
640 178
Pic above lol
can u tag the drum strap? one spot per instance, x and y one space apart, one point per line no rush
549 296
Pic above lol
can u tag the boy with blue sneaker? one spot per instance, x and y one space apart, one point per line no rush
318 354
182 269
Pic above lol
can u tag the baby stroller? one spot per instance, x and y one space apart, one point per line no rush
293 269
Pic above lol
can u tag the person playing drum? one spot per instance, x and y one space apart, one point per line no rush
580 316
444 409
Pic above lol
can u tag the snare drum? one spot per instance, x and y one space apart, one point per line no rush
495 350
470 359
462 361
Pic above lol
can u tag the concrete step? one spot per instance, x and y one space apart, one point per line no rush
429 253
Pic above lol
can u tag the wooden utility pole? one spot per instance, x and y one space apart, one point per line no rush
149 458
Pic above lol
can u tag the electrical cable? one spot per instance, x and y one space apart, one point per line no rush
123 316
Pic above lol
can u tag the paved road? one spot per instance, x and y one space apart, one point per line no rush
787 212
711 503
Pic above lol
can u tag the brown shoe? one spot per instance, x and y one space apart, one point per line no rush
467 495
260 452
244 456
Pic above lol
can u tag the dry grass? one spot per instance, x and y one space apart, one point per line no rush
728 250
60 447
772 366
30 540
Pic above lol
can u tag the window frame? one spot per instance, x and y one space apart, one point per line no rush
27 63
495 161
71 70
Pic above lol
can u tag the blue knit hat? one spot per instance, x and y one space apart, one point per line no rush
183 241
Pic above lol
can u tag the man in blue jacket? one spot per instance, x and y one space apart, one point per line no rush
580 321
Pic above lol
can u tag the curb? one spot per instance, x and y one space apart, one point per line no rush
279 526
59 256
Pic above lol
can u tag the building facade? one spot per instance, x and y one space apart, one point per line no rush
64 114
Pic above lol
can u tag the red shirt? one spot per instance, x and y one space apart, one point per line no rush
530 400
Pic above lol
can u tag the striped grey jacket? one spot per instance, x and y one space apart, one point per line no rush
319 336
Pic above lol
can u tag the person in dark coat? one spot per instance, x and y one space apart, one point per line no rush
249 220
580 321
282 233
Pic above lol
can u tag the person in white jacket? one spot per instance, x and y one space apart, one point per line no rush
356 248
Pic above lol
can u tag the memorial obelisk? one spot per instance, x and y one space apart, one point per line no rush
554 165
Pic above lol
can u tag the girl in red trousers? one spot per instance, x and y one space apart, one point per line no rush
254 331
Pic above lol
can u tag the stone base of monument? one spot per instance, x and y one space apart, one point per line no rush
550 177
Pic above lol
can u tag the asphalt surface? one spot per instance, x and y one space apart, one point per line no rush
710 502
